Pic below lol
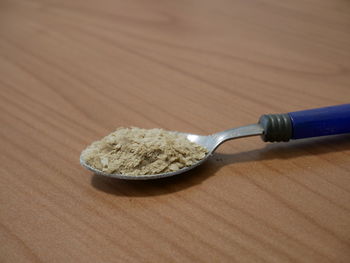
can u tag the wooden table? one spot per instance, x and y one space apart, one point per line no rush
73 71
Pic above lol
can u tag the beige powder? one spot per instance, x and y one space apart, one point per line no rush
135 151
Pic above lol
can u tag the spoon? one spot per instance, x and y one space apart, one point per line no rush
272 128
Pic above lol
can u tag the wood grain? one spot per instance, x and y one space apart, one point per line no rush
73 71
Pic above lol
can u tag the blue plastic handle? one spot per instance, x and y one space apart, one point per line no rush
319 122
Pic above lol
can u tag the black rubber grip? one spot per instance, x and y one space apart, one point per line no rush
277 127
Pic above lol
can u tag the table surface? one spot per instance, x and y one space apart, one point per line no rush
73 71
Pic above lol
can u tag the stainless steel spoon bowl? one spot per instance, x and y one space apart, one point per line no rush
210 142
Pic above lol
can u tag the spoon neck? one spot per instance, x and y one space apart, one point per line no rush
240 132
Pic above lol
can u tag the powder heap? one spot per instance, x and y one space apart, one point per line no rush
135 151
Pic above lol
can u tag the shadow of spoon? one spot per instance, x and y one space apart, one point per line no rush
164 186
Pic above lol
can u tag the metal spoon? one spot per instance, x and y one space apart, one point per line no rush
210 142
273 128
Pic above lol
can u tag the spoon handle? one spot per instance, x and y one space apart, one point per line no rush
305 124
